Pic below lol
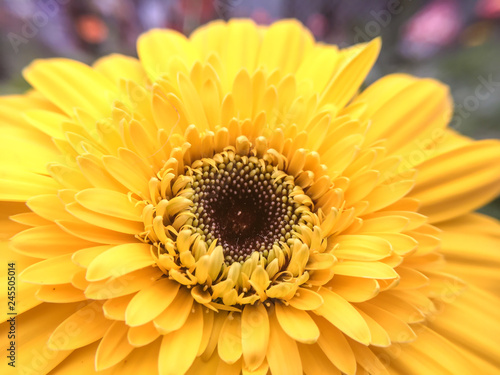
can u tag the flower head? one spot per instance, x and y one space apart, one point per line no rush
231 203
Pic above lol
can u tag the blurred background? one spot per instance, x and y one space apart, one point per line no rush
454 41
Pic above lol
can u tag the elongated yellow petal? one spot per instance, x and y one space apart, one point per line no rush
347 81
354 289
254 335
57 270
117 66
62 293
90 317
19 185
344 316
157 47
442 182
58 80
142 335
123 285
289 35
175 315
362 247
374 270
119 261
47 241
179 348
334 345
306 299
113 347
282 352
229 345
314 361
110 203
297 324
157 297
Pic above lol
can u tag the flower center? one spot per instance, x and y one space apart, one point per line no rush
244 203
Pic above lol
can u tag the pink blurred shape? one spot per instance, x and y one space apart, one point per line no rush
435 26
488 8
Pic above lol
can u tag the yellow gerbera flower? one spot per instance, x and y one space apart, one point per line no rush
230 203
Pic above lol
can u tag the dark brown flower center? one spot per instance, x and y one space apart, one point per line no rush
245 205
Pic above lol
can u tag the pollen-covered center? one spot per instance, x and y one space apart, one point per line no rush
244 203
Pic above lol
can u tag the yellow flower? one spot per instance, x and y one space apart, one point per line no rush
230 202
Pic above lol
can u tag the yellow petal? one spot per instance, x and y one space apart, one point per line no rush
84 257
318 66
46 242
150 302
47 122
361 247
141 361
432 353
255 334
297 324
175 315
219 319
314 361
129 172
368 360
142 335
119 261
411 278
421 105
123 285
229 346
103 221
179 348
284 46
62 293
385 195
240 47
116 67
354 289
57 270
373 270
344 316
348 80
111 203
93 170
306 299
80 361
397 330
58 80
19 185
157 47
335 346
282 352
442 181
379 336
27 152
114 346
478 232
38 324
477 335
49 206
91 318
114 308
